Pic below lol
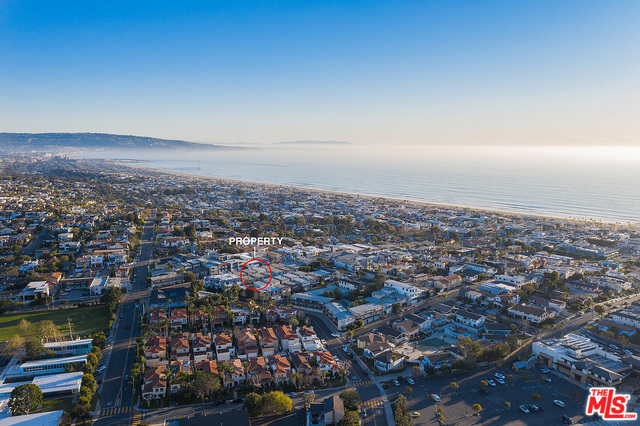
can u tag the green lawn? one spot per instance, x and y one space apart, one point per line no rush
56 404
84 321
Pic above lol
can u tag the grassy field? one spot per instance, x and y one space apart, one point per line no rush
56 404
85 320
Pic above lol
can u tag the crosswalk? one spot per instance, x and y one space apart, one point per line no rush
363 383
114 411
372 403
137 419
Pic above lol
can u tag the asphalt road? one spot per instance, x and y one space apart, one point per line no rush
372 399
116 395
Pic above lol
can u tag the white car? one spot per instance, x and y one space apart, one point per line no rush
544 370
435 397
335 334
500 381
524 409
346 349
411 381
499 376
324 342
558 403
491 382
395 382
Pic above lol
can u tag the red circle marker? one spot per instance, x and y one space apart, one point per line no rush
270 272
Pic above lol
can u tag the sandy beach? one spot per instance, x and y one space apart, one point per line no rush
417 203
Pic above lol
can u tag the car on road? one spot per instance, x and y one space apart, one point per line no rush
499 376
524 409
628 352
365 372
567 420
558 403
396 382
544 370
335 334
219 402
324 342
434 397
612 346
415 414
126 377
546 379
346 349
411 381
110 404
238 400
498 380
121 315
491 382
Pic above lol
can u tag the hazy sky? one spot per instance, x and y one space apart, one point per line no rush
417 72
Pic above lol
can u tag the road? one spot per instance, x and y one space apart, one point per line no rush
116 395
35 243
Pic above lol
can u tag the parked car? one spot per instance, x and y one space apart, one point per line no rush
498 380
396 382
499 376
335 334
612 346
484 391
544 370
567 420
128 326
346 349
524 409
540 407
491 382
411 381
558 403
415 414
534 407
435 397
238 400
219 402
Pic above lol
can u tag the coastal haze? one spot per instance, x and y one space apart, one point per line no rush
590 183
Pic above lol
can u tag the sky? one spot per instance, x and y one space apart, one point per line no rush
367 72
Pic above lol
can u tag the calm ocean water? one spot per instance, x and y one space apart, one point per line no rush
579 182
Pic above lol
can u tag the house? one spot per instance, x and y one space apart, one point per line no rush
531 313
235 376
409 328
257 373
605 324
394 336
421 322
155 352
157 316
179 347
177 367
328 412
201 345
178 319
246 343
281 368
470 319
308 338
289 341
302 363
224 347
375 349
437 360
326 362
268 341
497 328
412 292
367 339
208 366
388 361
154 383
198 317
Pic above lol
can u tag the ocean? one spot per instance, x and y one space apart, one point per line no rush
591 183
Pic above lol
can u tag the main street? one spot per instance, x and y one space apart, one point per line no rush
116 394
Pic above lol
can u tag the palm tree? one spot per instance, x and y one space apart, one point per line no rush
169 374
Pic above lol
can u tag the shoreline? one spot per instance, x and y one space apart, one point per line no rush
139 166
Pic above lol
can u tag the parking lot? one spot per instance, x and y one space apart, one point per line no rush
457 405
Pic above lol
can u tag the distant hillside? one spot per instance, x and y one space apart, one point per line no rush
314 143
94 141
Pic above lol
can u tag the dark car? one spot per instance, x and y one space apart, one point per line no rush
365 372
534 407
128 326
99 381
237 400
484 391
219 402
540 407
566 419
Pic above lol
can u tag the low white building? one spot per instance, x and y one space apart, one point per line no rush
412 292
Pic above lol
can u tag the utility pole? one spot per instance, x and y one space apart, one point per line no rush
70 331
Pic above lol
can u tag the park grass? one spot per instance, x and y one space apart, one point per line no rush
84 321
65 404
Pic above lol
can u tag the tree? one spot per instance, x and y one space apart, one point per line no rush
401 415
89 382
350 418
351 399
396 308
47 329
205 384
308 398
416 372
92 359
111 297
599 309
535 397
469 348
507 405
454 386
34 349
484 383
408 390
293 321
276 402
253 404
99 340
25 327
24 399
476 408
